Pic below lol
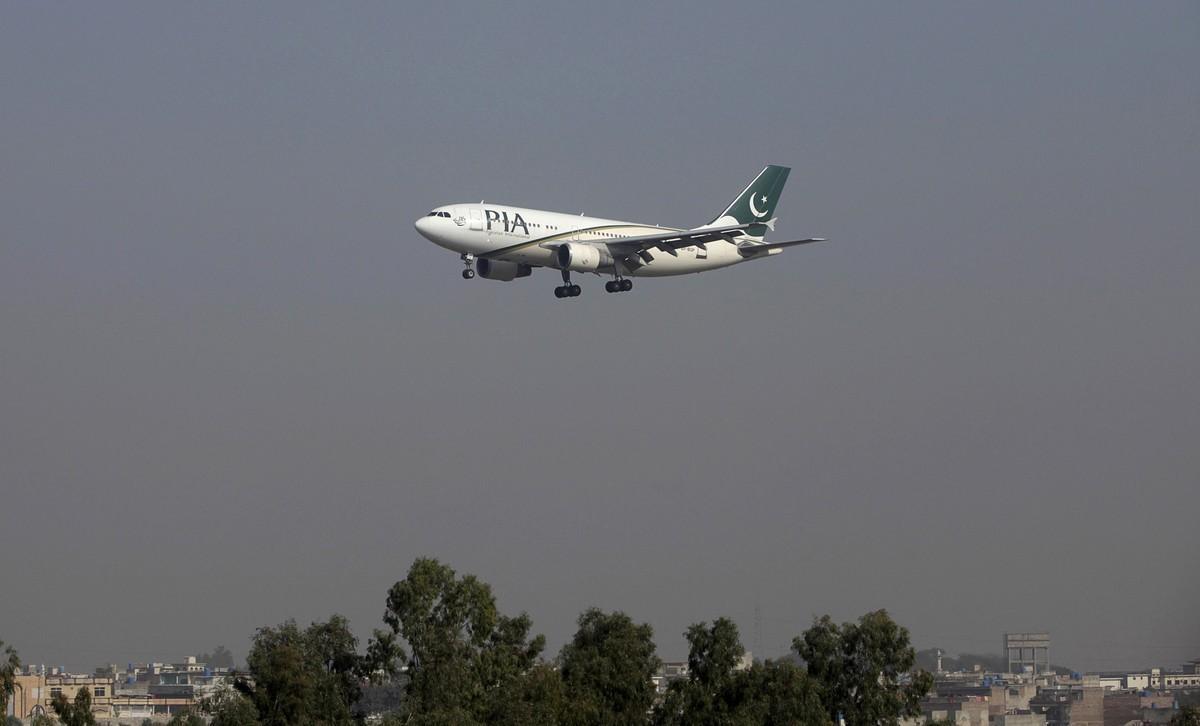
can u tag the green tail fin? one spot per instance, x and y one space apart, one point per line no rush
757 201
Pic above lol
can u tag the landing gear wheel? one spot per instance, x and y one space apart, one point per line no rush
574 290
626 284
610 286
560 291
468 274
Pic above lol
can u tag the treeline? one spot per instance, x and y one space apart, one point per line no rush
457 660
460 661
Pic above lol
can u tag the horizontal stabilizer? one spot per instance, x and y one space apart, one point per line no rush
751 250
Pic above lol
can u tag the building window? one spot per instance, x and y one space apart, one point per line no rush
55 691
99 692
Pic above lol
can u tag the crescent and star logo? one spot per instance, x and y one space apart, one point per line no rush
754 209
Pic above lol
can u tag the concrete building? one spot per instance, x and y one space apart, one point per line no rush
35 689
1070 705
1027 652
667 672
1014 697
962 711
1109 680
1180 680
1025 718
155 691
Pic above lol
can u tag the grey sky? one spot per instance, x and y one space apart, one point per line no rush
236 386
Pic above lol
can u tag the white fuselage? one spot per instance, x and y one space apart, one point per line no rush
530 236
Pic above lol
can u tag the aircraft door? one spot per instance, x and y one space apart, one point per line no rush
476 218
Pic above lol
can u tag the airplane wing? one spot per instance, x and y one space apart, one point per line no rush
671 241
751 250
668 241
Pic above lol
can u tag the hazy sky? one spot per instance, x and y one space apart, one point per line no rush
236 386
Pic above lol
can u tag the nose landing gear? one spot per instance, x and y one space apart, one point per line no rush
468 260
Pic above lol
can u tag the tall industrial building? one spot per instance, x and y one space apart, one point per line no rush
1027 651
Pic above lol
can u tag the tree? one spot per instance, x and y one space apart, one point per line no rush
10 666
536 699
301 676
465 656
1187 716
228 707
863 669
77 713
704 697
777 693
221 657
717 693
607 669
185 718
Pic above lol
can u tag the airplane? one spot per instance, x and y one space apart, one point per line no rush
505 243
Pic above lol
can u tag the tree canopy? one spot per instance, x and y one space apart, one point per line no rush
10 665
229 707
864 669
298 677
465 658
186 717
459 661
721 691
220 657
77 712
607 670
1187 716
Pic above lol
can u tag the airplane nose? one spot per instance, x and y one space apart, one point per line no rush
423 225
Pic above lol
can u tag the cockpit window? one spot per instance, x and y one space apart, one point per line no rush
432 214
436 213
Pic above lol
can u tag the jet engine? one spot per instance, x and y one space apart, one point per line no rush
502 270
582 258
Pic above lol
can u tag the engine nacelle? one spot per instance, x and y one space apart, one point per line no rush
502 270
582 258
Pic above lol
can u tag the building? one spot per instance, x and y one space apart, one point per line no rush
1019 718
35 689
155 691
668 672
962 711
1070 705
1027 652
1011 698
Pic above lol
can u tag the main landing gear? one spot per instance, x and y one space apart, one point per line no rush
468 260
567 289
622 285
